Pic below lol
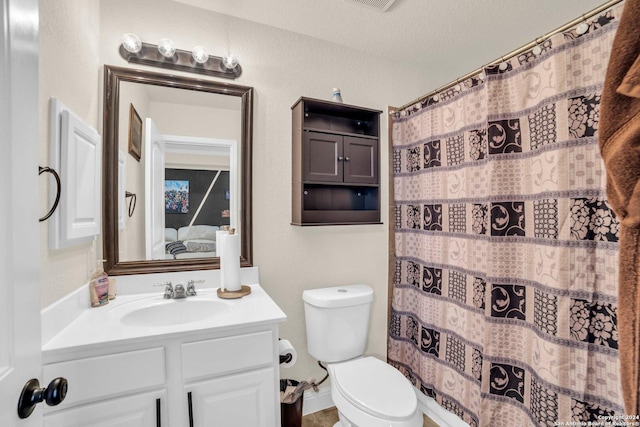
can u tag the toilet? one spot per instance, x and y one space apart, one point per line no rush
366 391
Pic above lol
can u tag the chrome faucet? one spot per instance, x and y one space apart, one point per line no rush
191 287
177 292
168 289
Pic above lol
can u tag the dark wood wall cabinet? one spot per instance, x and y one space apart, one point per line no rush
336 165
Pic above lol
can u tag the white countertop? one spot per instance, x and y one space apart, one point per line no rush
102 326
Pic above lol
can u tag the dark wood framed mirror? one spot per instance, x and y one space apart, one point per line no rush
114 78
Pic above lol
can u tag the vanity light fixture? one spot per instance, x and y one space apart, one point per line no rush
131 43
230 61
200 54
165 55
166 48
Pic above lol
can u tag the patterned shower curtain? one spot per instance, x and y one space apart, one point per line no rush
505 283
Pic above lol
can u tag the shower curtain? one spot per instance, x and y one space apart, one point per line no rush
506 256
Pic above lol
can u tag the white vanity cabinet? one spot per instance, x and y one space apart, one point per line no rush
241 376
237 400
226 378
126 368
101 381
139 410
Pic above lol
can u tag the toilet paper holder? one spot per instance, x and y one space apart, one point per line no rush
287 353
285 358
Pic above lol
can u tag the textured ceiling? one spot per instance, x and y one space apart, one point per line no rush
445 38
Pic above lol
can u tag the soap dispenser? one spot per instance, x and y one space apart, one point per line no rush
99 286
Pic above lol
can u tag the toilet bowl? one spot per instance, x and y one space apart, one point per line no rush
370 393
366 391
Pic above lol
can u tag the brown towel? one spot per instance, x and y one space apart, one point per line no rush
620 147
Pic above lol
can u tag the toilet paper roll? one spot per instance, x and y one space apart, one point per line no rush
285 348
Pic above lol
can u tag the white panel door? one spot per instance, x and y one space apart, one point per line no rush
20 357
235 401
154 153
122 199
75 151
81 172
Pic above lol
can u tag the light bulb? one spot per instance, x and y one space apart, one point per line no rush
200 54
131 43
436 97
503 66
166 48
537 50
230 61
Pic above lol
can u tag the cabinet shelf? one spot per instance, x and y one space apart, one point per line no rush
339 184
341 217
335 164
334 132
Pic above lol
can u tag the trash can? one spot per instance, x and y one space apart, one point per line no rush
290 413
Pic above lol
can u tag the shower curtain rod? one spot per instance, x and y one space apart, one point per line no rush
516 52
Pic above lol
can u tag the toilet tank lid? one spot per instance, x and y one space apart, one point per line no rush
339 296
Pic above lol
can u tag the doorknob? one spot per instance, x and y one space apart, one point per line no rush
32 394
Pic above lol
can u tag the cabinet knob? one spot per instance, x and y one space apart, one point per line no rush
346 159
340 158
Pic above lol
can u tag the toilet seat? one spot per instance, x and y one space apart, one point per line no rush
376 388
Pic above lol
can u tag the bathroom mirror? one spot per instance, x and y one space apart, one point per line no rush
206 127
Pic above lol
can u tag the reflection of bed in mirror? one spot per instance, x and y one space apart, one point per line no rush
196 241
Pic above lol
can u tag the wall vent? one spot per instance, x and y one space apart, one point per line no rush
380 5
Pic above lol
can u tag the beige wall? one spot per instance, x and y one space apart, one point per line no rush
196 161
281 66
131 238
191 120
69 71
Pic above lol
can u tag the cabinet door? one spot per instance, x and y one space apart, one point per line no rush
322 157
247 399
141 410
360 160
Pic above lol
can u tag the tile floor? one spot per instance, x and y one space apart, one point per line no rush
329 416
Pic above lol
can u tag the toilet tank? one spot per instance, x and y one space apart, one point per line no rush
337 321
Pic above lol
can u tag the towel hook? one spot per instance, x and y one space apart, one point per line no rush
132 202
59 189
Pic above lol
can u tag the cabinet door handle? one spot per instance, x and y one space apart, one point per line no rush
158 414
346 159
189 399
340 158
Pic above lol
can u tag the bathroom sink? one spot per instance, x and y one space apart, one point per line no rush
174 312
